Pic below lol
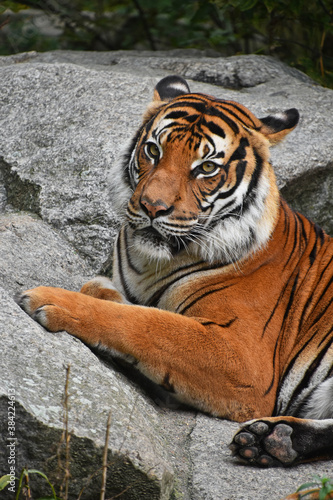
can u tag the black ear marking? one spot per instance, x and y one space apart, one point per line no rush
170 87
282 121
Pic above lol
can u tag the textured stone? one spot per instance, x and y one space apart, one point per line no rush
312 194
138 449
31 253
216 476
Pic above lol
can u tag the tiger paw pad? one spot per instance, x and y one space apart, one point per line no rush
265 445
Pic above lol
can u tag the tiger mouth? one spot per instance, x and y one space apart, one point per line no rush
151 236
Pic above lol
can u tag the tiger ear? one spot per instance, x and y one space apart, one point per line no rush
167 89
170 87
276 127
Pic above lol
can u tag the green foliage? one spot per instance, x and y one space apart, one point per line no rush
25 476
4 481
298 32
23 482
14 6
321 485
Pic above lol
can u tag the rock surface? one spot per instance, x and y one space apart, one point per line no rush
64 119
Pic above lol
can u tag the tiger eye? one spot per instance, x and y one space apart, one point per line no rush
208 167
152 150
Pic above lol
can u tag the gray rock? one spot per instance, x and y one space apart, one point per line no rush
234 72
59 155
65 117
312 194
31 253
215 475
142 454
137 452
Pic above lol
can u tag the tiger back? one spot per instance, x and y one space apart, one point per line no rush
221 293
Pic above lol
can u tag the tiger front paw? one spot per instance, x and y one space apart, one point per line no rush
50 307
265 444
103 288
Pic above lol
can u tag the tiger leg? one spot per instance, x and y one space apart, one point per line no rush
159 341
283 441
103 288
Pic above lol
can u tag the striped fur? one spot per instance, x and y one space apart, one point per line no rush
221 293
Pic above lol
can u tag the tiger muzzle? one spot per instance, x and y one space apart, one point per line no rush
156 208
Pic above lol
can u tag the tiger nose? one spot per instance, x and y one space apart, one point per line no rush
155 209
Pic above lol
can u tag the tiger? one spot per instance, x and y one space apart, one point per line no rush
221 293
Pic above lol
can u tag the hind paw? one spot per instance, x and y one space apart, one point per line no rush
265 444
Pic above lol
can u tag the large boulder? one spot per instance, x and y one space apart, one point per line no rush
65 118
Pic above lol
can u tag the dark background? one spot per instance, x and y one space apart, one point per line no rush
298 32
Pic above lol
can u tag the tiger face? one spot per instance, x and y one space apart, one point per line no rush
199 176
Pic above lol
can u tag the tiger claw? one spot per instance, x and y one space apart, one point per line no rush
23 300
50 307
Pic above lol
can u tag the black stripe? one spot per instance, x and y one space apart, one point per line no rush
131 211
321 314
292 251
313 252
320 233
305 382
233 213
128 257
198 104
304 235
323 292
241 111
325 337
189 296
222 116
206 107
210 140
216 104
127 158
218 155
191 267
240 170
210 192
148 126
319 236
278 302
174 115
290 367
240 152
286 229
156 297
214 128
153 301
291 298
128 294
251 190
192 118
224 325
249 197
203 295
175 127
286 313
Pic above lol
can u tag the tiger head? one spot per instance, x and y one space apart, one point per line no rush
197 176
